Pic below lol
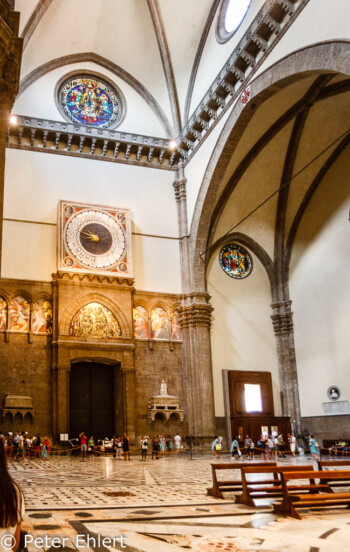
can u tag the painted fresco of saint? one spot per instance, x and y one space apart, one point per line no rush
159 324
175 327
3 313
94 320
19 315
140 317
42 317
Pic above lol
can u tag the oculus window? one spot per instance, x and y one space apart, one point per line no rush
231 16
91 101
235 261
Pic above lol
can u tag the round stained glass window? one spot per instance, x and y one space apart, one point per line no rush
235 261
89 101
231 15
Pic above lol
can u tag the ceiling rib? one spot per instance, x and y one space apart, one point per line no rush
34 20
167 64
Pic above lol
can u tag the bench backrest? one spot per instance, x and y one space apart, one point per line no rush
337 474
277 469
325 463
239 465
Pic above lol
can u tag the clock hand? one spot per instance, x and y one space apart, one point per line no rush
91 236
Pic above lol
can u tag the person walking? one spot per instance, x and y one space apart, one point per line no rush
292 443
144 446
83 446
178 443
168 445
313 447
216 446
235 445
11 505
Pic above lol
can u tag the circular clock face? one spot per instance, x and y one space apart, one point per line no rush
95 239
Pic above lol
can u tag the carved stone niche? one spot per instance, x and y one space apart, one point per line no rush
18 404
166 406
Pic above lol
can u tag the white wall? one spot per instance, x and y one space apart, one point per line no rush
242 336
35 182
319 288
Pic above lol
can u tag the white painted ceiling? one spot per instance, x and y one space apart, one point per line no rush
125 33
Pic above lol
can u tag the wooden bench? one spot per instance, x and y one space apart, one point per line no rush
323 497
265 488
232 485
333 463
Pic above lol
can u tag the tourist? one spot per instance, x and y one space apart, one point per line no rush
292 443
47 444
178 443
235 445
37 445
11 504
91 446
43 451
281 443
313 447
155 447
118 450
216 446
263 446
168 444
83 446
162 443
126 449
249 445
270 450
20 447
144 446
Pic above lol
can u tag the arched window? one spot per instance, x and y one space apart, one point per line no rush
95 320
159 324
141 327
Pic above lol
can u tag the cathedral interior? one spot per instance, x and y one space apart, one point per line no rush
165 222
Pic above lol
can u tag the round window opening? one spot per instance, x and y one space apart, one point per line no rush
231 16
235 261
90 101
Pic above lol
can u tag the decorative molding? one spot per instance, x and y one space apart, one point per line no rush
92 278
180 189
282 320
108 145
197 314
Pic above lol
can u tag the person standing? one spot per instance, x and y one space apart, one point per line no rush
144 446
235 445
11 505
83 446
292 443
126 448
155 447
216 446
168 445
249 445
313 447
91 446
178 443
281 444
118 450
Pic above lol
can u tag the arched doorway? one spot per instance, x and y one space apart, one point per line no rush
95 398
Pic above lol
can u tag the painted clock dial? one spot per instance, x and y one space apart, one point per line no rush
95 239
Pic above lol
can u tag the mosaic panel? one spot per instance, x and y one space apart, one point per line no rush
95 320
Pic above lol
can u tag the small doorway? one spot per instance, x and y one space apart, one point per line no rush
92 399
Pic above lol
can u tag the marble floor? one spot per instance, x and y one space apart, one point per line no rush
161 505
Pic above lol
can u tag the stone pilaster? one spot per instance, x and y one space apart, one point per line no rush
10 63
129 389
282 320
61 408
195 319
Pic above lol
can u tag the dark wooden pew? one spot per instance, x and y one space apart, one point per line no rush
230 485
299 496
332 464
262 487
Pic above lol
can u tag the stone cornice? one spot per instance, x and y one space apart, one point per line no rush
270 24
92 279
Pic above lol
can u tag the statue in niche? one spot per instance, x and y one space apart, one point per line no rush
163 389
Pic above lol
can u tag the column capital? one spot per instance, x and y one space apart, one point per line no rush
282 318
180 189
197 314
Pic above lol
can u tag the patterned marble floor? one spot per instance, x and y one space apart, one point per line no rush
158 506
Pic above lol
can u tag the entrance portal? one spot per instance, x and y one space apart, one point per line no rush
92 399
